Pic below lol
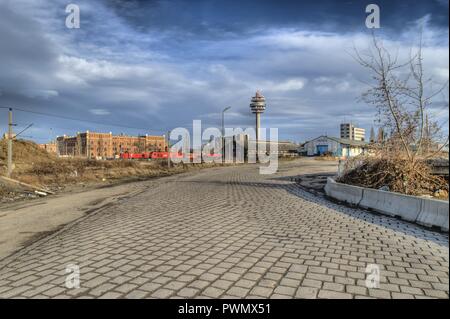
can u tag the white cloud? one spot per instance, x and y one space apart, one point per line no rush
441 73
99 111
325 42
288 85
334 85
38 93
99 69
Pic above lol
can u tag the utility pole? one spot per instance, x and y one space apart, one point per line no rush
168 149
10 137
223 133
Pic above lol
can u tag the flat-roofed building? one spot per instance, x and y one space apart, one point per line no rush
351 132
339 147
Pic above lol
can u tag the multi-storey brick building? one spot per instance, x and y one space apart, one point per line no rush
106 145
67 146
49 147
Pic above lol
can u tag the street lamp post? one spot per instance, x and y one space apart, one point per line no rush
223 132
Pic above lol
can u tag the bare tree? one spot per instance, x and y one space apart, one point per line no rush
402 95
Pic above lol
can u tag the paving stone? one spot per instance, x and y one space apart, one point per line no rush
150 287
213 292
199 284
125 288
175 285
139 280
136 294
306 293
378 293
319 277
162 293
245 283
328 294
222 284
110 295
285 290
312 283
399 295
97 281
261 291
54 291
209 277
411 290
188 292
435 293
439 286
100 290
290 282
356 290
186 278
268 283
333 286
238 292
298 268
235 277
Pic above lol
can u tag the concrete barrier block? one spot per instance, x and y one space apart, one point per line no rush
392 204
342 192
434 213
370 199
424 211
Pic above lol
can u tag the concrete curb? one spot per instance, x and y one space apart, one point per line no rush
344 193
434 212
423 211
393 204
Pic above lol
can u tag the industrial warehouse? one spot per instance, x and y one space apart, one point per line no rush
333 146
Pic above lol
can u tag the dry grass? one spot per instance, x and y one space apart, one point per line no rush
38 167
66 170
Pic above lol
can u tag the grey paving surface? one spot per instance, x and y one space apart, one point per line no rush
231 233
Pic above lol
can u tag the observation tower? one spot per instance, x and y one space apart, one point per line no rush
258 106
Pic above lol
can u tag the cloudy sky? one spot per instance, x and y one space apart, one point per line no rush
149 66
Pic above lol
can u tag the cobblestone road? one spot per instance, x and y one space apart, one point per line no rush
231 233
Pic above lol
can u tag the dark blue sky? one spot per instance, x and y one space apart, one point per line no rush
151 66
240 16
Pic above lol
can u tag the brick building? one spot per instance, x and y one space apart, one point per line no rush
67 146
49 147
106 145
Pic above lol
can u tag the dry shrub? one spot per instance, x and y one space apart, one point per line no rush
398 174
